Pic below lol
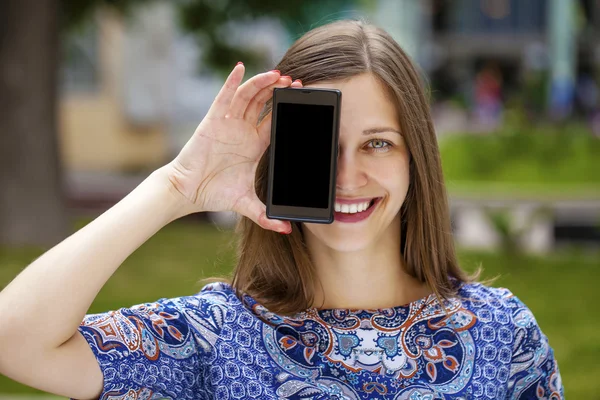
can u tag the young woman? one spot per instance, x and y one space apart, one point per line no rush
372 309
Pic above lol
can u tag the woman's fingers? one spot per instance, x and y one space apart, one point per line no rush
253 208
258 102
248 91
222 103
264 129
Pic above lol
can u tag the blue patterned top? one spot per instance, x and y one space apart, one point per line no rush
213 346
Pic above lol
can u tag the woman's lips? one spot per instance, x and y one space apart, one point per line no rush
357 217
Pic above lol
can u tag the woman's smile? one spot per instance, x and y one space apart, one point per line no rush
355 212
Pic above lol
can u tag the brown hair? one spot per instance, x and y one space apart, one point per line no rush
276 269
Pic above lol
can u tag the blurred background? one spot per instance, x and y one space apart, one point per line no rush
96 94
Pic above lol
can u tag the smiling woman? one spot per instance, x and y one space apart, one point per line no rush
382 100
372 305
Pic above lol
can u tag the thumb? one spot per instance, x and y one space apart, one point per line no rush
253 208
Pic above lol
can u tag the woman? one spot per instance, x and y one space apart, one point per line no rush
375 309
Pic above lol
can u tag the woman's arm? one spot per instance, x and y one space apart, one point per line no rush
41 310
43 306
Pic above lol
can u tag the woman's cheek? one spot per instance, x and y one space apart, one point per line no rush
388 167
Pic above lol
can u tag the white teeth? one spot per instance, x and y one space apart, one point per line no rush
352 208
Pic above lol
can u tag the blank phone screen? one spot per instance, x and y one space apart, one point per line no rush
303 140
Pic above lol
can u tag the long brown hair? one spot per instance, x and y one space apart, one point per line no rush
276 269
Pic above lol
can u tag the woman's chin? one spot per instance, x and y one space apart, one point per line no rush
347 241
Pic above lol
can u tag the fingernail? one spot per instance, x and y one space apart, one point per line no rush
287 76
275 70
298 80
239 62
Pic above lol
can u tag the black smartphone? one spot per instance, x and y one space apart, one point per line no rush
303 155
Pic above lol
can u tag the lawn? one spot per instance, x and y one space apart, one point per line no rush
561 290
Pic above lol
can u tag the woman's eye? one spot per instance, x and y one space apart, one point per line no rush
379 145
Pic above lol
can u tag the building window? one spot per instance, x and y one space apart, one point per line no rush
496 16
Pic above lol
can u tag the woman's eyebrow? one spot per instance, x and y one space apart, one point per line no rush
372 131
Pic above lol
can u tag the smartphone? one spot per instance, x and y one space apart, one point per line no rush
303 155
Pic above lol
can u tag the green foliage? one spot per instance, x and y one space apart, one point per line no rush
76 13
209 21
523 153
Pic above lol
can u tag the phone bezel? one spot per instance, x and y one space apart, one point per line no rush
331 97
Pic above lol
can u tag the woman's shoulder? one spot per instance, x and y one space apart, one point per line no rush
220 294
212 296
491 303
503 319
480 293
217 291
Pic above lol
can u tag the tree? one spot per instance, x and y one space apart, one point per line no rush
32 210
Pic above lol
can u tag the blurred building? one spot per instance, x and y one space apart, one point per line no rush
112 110
512 39
541 57
133 90
132 94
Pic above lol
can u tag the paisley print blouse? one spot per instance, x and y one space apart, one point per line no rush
483 344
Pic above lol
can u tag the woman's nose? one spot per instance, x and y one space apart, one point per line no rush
350 174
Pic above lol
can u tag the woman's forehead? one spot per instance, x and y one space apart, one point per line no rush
364 103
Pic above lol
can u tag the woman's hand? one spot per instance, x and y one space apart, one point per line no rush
215 170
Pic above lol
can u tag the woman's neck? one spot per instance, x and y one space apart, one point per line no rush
371 278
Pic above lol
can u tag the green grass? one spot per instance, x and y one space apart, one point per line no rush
476 190
520 155
560 289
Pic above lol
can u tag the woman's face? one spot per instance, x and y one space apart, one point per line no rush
373 168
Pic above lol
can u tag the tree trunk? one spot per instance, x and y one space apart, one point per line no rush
32 207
